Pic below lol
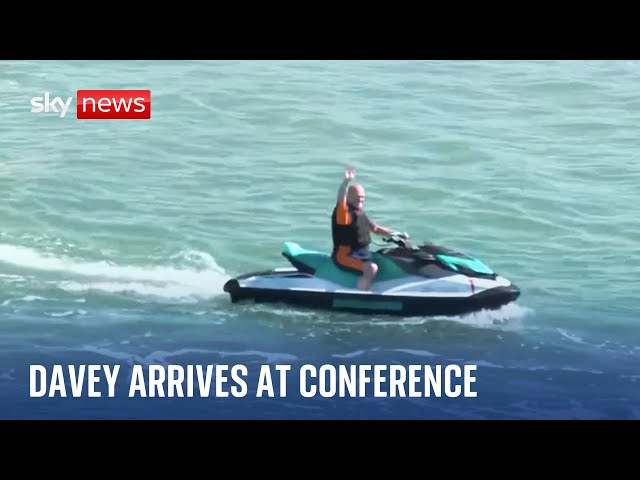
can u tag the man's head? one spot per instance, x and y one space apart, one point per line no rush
355 196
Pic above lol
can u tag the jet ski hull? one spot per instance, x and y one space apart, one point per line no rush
290 286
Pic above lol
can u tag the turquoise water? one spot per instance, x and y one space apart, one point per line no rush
117 236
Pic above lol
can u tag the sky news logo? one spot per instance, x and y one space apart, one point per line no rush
98 104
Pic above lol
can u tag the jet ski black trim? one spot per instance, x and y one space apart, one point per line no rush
370 303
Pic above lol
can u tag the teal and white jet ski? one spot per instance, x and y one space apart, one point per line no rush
411 281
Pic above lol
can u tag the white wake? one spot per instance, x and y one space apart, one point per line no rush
162 281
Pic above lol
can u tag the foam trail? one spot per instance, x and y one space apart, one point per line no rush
160 281
171 291
506 315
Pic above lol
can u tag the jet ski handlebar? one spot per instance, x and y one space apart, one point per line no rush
399 238
403 235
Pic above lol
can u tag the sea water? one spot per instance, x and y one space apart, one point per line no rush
117 236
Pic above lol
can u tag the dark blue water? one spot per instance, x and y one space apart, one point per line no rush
518 375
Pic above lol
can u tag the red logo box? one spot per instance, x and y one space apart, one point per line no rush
113 104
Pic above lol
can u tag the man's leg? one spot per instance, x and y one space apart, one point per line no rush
369 272
369 269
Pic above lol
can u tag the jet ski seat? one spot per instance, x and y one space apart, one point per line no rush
321 265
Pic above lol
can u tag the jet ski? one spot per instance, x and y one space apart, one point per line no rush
412 280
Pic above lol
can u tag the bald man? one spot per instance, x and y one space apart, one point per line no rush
351 229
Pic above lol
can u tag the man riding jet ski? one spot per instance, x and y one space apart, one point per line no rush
402 280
